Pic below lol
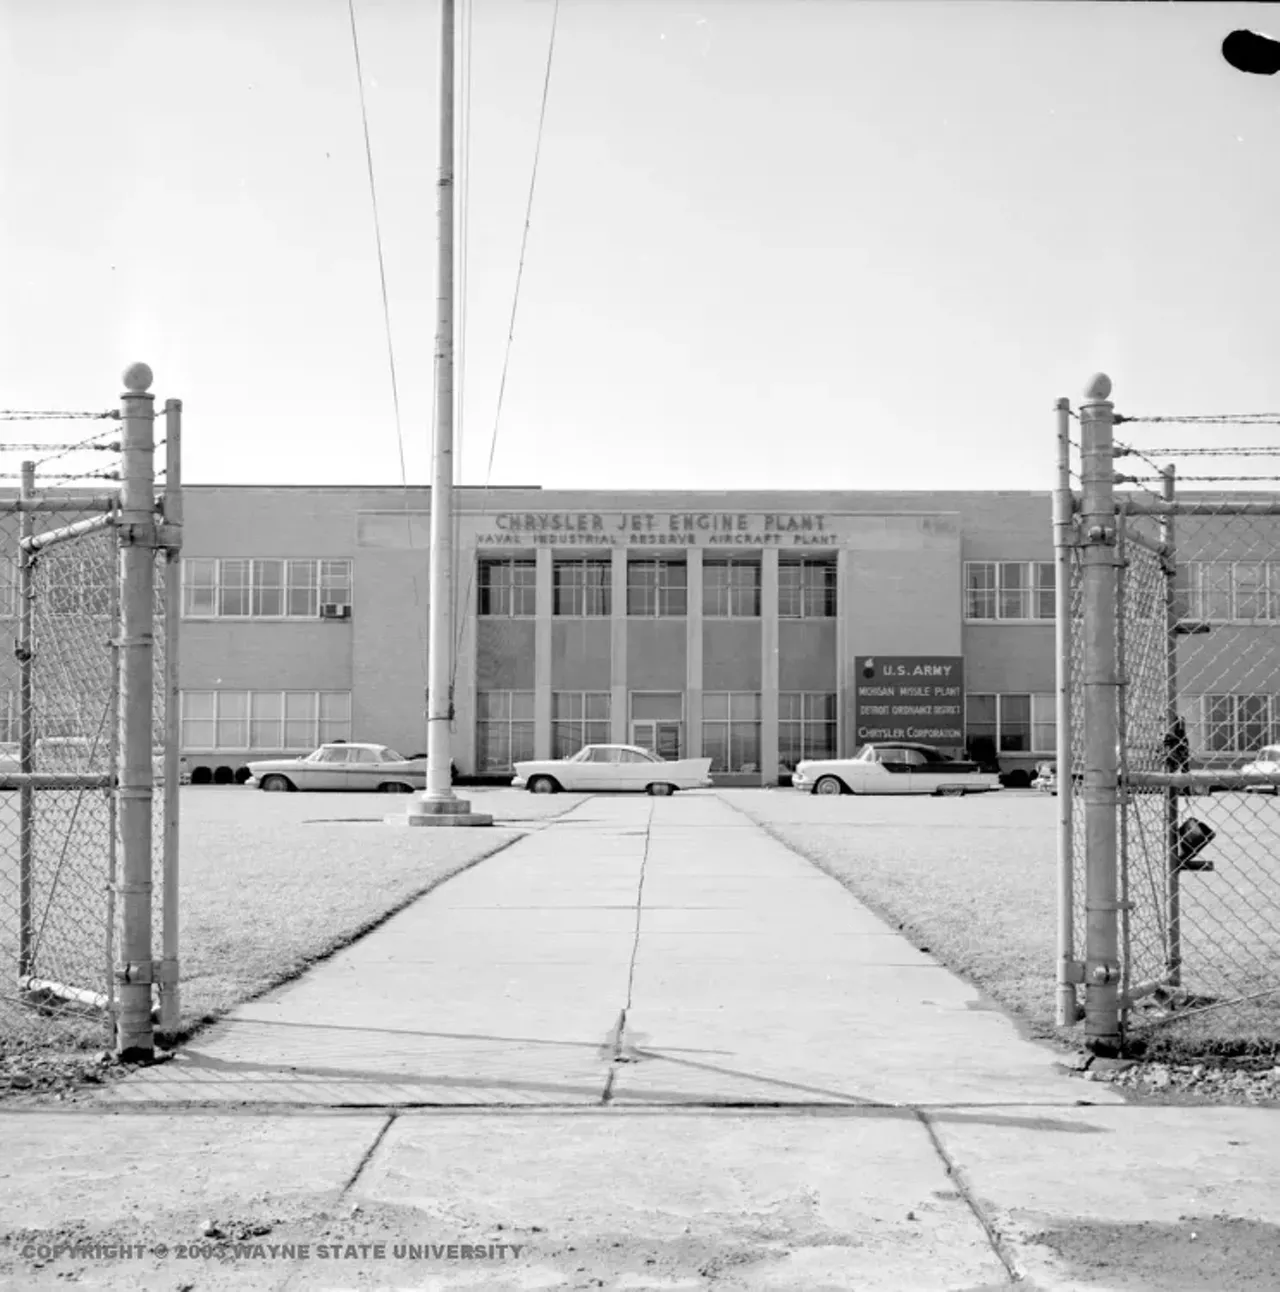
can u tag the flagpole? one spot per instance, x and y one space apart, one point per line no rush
439 805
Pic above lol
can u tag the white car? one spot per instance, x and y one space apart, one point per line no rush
342 766
613 767
1267 763
893 767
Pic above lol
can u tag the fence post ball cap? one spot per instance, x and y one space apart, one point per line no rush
137 378
1099 386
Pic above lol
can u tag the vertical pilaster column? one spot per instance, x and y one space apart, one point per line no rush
769 666
846 741
693 658
621 734
542 656
464 686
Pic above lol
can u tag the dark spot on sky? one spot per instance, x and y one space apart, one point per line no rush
1247 51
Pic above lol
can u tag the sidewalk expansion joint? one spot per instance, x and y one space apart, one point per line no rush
964 1189
367 1156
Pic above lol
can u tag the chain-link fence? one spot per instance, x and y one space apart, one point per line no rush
68 870
1175 916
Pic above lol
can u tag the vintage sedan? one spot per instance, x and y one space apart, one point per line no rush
613 767
893 767
1267 763
342 766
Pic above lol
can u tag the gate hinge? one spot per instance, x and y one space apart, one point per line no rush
1099 536
1109 906
1101 973
166 972
141 973
1071 971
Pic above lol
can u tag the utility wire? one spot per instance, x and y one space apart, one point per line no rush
386 311
515 298
377 235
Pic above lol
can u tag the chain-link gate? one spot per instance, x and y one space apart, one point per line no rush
1169 692
67 869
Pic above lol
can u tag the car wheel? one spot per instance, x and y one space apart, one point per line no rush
277 784
660 789
828 785
542 785
395 787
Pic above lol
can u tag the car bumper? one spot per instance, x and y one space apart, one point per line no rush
252 783
800 781
518 782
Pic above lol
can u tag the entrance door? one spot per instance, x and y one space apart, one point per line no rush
658 737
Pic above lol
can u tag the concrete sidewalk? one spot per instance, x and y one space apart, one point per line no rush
652 1048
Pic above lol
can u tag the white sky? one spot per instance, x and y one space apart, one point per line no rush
775 243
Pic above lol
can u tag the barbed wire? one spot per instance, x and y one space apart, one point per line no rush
70 475
1223 451
36 415
1216 419
37 448
1207 479
1123 450
74 448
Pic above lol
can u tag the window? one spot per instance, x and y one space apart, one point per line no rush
1227 591
1239 724
806 589
273 588
582 588
578 718
731 589
508 588
266 720
1011 590
657 588
1010 724
335 716
1044 723
731 730
806 726
504 729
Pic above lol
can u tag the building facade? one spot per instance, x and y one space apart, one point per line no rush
735 626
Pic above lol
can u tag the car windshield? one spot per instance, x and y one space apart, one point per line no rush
581 756
390 756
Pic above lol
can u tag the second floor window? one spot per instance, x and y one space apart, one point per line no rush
731 589
657 588
582 588
508 588
806 589
1017 590
244 588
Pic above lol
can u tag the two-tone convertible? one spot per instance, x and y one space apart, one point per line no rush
893 767
613 767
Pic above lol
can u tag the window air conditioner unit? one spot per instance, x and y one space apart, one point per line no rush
334 610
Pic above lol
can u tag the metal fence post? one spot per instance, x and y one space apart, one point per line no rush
26 736
137 537
1101 690
169 974
1068 1006
1175 753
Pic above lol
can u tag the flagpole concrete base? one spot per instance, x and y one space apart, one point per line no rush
452 811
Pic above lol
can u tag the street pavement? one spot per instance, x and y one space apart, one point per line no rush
646 1047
